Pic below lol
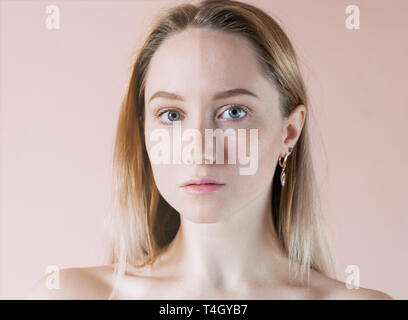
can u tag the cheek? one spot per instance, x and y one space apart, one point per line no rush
167 180
164 177
269 149
164 174
148 129
268 152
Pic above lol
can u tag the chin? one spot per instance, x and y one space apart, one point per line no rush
204 216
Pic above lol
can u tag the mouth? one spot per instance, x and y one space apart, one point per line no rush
202 186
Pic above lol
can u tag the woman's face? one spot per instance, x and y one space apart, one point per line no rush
197 65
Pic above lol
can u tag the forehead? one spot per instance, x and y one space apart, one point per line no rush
203 60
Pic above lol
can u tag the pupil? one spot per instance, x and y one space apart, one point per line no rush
173 115
234 112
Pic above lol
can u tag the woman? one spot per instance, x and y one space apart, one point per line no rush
199 229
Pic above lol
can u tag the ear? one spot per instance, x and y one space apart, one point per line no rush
292 128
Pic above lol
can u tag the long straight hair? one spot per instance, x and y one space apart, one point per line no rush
143 223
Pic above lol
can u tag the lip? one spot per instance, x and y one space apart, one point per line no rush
202 186
202 181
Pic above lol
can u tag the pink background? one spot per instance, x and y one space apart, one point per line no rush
60 94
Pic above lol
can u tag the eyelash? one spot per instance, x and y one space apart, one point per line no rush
232 106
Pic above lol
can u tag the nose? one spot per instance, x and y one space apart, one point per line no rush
197 150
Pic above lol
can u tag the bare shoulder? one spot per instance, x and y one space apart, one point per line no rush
361 293
333 289
74 283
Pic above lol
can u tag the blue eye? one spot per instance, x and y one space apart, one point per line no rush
235 112
172 115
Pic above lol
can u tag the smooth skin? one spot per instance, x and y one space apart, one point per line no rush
226 247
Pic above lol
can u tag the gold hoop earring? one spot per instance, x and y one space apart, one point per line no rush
283 165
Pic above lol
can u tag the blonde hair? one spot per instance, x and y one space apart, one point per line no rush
143 222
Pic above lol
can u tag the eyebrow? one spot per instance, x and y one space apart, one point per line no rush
217 96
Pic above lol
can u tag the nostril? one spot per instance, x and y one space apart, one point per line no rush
208 159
